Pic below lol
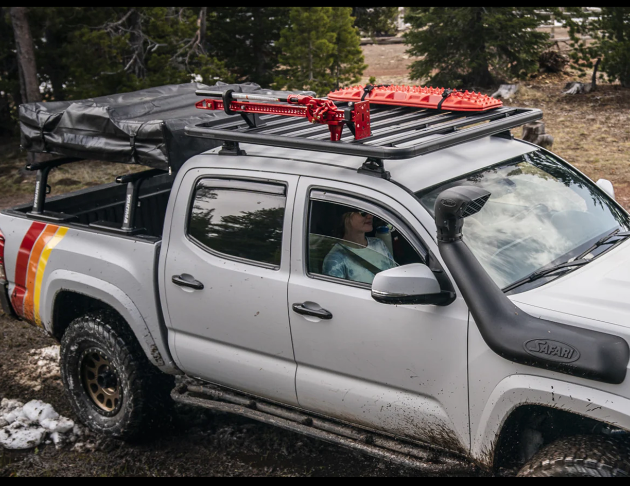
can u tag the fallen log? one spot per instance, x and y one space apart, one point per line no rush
506 91
577 88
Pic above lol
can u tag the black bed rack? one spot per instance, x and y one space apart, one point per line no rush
133 181
397 133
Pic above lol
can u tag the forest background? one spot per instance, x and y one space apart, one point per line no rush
65 53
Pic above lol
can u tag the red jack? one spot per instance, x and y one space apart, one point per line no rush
315 110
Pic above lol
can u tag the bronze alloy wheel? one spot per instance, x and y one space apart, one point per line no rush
101 381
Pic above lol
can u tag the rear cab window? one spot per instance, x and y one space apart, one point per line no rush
239 220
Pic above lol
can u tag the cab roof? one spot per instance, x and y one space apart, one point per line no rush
416 173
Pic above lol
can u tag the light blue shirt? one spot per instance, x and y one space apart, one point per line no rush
339 264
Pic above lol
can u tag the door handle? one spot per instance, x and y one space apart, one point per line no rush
187 281
305 311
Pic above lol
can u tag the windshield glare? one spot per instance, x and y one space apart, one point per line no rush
541 212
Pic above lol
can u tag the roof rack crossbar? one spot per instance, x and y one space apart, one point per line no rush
436 128
499 120
423 119
287 126
316 133
392 129
384 123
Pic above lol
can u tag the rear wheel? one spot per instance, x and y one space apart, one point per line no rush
581 456
112 387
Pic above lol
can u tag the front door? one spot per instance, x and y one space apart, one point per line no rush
226 277
400 369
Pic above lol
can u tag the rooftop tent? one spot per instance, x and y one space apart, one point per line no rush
144 127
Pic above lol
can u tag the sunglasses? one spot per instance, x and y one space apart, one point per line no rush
362 213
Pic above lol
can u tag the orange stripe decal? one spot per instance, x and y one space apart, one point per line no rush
41 269
33 265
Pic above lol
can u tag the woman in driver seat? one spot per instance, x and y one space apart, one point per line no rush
357 257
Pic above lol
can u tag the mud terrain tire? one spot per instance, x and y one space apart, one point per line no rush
581 456
143 391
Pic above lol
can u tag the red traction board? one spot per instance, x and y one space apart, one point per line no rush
419 97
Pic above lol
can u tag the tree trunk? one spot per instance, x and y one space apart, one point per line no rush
480 72
258 45
594 79
310 60
136 39
202 26
29 83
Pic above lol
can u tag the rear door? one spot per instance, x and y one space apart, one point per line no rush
401 369
226 278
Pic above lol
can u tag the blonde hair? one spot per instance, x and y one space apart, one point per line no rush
340 231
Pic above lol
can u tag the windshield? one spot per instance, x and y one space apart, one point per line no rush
541 212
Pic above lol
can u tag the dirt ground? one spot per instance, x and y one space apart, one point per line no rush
191 442
591 131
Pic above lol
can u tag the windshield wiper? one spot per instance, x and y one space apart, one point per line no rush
546 271
606 240
578 262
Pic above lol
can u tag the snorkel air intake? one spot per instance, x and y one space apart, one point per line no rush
506 329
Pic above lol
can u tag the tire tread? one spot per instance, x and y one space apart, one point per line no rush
148 389
581 456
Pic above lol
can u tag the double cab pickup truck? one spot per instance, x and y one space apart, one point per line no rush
435 289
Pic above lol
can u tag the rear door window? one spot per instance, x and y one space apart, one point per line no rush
239 220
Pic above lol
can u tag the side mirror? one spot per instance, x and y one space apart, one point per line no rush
409 285
606 186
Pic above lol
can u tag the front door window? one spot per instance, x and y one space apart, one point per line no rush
351 244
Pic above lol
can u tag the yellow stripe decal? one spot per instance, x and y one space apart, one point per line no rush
41 268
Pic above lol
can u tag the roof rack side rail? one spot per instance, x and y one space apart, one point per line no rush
42 189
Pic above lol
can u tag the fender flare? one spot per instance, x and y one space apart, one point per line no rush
519 390
65 280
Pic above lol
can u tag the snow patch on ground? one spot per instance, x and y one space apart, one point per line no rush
28 426
41 366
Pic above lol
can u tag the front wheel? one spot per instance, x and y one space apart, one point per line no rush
112 387
581 456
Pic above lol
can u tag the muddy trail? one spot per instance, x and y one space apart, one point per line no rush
189 442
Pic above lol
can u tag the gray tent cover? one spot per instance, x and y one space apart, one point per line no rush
143 127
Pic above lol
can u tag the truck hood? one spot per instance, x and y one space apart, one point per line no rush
599 291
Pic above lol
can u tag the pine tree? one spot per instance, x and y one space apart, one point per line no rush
307 48
609 32
246 40
117 49
320 50
465 47
376 21
348 61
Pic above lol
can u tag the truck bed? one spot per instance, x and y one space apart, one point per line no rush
106 203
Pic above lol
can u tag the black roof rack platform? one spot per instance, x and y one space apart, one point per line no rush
397 133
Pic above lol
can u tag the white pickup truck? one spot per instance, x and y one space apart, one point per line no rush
458 297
